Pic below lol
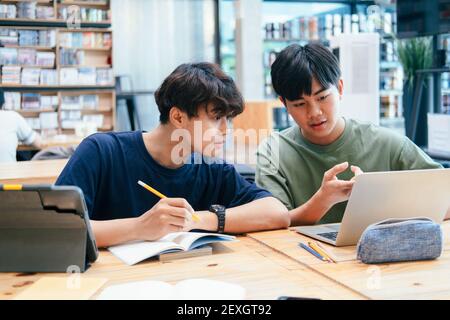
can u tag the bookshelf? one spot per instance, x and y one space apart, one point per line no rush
305 21
55 12
56 76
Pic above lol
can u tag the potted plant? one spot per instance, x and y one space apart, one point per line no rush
414 54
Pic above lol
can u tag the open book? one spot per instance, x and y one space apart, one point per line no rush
134 252
192 289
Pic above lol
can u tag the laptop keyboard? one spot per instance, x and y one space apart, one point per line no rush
329 235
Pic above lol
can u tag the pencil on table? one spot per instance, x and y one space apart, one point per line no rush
312 251
321 251
195 216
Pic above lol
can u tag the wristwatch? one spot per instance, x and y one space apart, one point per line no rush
219 210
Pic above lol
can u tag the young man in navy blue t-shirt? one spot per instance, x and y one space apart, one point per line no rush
175 160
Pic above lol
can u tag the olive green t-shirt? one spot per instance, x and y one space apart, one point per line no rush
292 168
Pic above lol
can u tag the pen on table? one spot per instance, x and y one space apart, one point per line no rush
329 254
195 216
312 251
321 251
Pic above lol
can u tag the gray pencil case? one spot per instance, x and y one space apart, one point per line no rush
394 240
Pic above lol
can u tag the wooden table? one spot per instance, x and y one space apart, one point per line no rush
30 172
264 273
56 141
406 280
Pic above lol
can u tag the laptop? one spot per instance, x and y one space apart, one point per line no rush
377 196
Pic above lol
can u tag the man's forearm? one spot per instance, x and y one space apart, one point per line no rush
262 214
112 232
310 212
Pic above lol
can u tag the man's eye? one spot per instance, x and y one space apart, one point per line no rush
323 97
299 104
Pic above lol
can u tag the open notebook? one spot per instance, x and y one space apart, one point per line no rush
134 252
192 289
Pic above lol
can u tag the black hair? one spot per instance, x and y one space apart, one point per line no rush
192 86
2 98
295 67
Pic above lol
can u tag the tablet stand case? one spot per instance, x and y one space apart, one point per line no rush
44 229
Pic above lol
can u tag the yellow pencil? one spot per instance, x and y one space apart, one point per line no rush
321 251
331 255
195 216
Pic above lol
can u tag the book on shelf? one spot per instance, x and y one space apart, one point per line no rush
70 103
90 101
47 38
70 118
48 102
48 77
86 102
71 115
94 118
45 59
26 10
88 40
87 76
28 37
11 75
107 40
68 56
49 120
8 56
134 252
31 101
85 39
12 100
30 76
105 76
8 11
45 13
9 37
71 39
26 57
68 76
86 14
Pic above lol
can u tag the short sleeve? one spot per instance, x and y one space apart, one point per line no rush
268 174
411 157
84 171
236 191
24 132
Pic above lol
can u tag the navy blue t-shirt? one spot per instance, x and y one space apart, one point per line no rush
107 167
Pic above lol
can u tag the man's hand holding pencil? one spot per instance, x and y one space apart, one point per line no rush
168 215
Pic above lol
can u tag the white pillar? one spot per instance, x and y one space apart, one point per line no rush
249 49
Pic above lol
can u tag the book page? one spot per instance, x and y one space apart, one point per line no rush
132 253
192 240
139 290
191 289
205 289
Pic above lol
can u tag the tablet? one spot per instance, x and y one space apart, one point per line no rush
36 219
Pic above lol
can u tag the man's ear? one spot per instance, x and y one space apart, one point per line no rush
177 118
341 88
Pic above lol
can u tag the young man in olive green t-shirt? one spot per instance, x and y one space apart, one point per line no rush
307 166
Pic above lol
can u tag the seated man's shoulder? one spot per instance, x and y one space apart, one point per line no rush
375 132
279 138
105 139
